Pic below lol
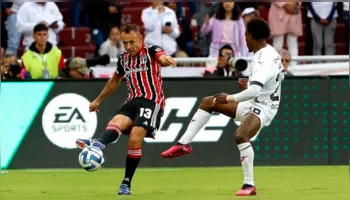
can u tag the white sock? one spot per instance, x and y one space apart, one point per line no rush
198 121
247 160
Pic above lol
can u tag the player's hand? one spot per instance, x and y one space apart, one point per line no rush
220 99
167 61
243 83
94 106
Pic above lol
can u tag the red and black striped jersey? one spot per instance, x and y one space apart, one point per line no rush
142 74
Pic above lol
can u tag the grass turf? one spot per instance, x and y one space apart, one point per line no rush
273 183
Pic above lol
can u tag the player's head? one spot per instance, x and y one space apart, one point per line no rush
225 52
132 39
41 34
257 31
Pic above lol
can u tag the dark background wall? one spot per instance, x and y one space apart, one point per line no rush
311 128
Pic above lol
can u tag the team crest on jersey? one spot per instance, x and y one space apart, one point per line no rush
143 58
143 63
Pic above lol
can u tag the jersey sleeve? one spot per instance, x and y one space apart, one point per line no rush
156 51
119 71
260 73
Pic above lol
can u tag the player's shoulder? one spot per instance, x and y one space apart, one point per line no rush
152 47
267 55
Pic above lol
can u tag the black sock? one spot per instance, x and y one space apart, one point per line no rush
132 161
109 135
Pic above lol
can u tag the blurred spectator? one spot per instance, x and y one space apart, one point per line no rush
42 60
204 8
102 16
285 19
113 46
184 41
346 20
323 25
77 69
75 9
223 69
249 13
244 5
227 27
14 37
286 60
180 10
32 13
3 30
10 68
161 27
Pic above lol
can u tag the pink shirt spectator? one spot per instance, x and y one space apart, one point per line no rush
217 27
227 36
282 23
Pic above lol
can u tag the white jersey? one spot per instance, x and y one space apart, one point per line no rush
267 71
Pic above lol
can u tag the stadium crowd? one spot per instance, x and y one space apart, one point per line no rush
45 34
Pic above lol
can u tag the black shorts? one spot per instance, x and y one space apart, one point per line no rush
144 113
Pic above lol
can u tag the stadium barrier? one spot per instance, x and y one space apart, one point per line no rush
320 66
41 120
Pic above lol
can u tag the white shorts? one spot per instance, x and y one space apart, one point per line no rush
265 115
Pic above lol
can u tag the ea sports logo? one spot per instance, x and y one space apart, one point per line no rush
67 118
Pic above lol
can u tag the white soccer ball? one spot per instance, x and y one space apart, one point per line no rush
91 159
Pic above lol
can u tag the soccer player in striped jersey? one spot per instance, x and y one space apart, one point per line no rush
140 115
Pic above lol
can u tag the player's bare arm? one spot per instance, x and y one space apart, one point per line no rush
112 84
166 60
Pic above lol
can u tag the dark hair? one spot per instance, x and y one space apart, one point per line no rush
112 27
40 27
220 12
258 28
226 46
130 27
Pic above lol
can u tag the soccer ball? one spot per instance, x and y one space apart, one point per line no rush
91 159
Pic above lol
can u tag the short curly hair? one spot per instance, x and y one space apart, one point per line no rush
258 28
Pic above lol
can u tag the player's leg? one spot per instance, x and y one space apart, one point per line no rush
147 120
133 158
250 125
202 116
118 124
121 122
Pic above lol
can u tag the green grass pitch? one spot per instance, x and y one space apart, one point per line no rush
273 183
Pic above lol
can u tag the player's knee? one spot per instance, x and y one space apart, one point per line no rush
207 103
120 121
240 137
134 142
136 137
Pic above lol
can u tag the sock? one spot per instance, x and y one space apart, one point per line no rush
247 160
198 121
132 161
109 135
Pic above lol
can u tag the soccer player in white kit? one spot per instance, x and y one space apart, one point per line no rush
255 107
